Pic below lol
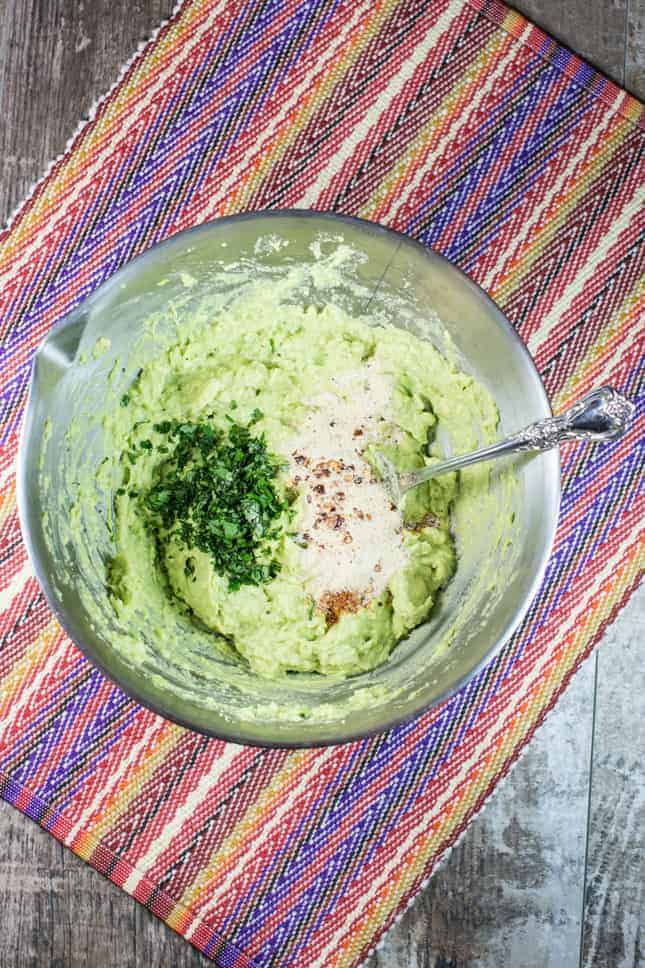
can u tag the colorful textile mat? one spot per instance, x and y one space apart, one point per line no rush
463 125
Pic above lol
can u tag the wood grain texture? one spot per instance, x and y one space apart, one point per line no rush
99 920
56 58
513 891
614 911
635 48
510 893
31 894
595 29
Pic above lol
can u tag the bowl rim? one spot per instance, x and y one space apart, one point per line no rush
236 736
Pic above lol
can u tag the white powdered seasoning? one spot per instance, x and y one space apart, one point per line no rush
351 533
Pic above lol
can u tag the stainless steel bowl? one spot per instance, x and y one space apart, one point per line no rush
399 279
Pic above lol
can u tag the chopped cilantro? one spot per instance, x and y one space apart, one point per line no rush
125 399
215 491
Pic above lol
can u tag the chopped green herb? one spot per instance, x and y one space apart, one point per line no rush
216 492
125 399
145 444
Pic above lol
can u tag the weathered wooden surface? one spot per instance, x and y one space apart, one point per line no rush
614 901
594 30
510 893
608 33
56 58
551 873
635 48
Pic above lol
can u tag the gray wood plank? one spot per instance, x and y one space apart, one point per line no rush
614 914
635 48
31 886
509 895
595 29
56 58
57 911
98 919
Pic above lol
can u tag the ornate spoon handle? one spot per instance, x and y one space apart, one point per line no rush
602 414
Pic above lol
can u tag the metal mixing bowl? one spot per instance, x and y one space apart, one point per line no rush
398 279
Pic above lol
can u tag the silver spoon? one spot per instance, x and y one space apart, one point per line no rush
603 414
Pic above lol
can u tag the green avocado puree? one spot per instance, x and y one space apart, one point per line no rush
270 370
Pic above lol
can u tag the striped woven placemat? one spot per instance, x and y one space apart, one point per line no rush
457 122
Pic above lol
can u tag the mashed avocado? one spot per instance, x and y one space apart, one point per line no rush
346 574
